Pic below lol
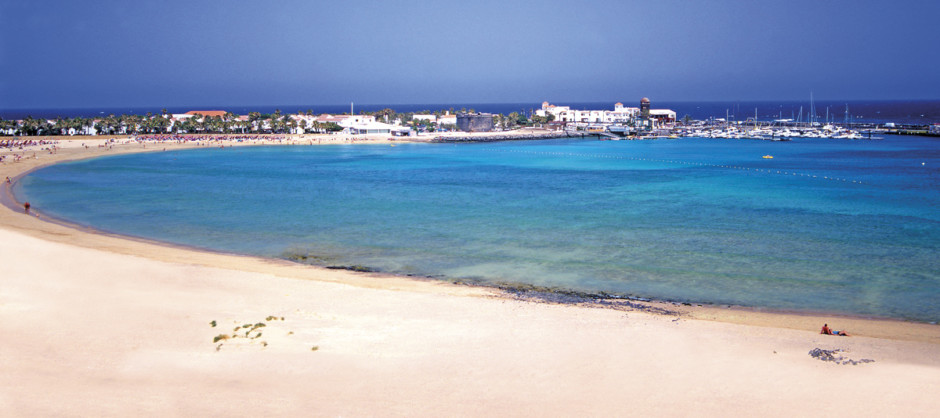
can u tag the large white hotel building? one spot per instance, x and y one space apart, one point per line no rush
620 114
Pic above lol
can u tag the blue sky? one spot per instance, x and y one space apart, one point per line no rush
177 53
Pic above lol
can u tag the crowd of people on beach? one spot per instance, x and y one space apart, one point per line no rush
52 146
15 157
204 138
12 144
17 144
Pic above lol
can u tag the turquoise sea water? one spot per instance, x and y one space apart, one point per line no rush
826 225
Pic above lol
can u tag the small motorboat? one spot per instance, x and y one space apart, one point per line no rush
768 157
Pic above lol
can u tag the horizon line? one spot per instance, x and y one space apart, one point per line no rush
203 106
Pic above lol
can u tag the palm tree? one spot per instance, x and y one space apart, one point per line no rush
6 125
163 123
177 125
28 126
198 122
106 124
44 127
74 124
59 125
185 125
130 123
253 120
289 124
36 126
276 120
208 124
218 124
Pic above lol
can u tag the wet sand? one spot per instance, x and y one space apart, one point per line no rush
97 324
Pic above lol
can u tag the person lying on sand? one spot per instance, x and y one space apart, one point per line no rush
827 331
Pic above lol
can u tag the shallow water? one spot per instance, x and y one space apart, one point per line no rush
826 225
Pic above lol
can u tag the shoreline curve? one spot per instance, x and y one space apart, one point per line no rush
877 327
107 325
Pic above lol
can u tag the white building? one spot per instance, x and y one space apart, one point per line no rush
345 121
429 118
372 128
447 119
350 120
663 115
620 114
362 125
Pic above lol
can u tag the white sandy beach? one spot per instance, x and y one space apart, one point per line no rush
99 325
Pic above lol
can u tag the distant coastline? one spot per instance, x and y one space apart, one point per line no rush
862 111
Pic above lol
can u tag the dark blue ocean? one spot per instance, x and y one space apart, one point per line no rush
919 112
835 226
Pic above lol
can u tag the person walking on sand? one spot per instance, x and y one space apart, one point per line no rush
26 206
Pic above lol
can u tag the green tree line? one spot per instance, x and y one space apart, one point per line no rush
277 122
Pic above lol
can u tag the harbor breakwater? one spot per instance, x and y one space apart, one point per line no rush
508 137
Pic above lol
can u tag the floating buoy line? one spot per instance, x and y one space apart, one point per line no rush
688 163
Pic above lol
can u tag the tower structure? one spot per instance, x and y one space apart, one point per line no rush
645 112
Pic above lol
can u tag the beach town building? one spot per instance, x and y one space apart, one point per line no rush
213 113
663 116
934 129
327 118
420 117
620 114
350 120
447 120
354 124
180 117
442 122
342 120
378 128
301 123
566 114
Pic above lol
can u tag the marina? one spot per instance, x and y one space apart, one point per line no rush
621 132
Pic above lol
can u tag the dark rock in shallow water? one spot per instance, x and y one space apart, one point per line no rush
306 258
535 293
361 269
